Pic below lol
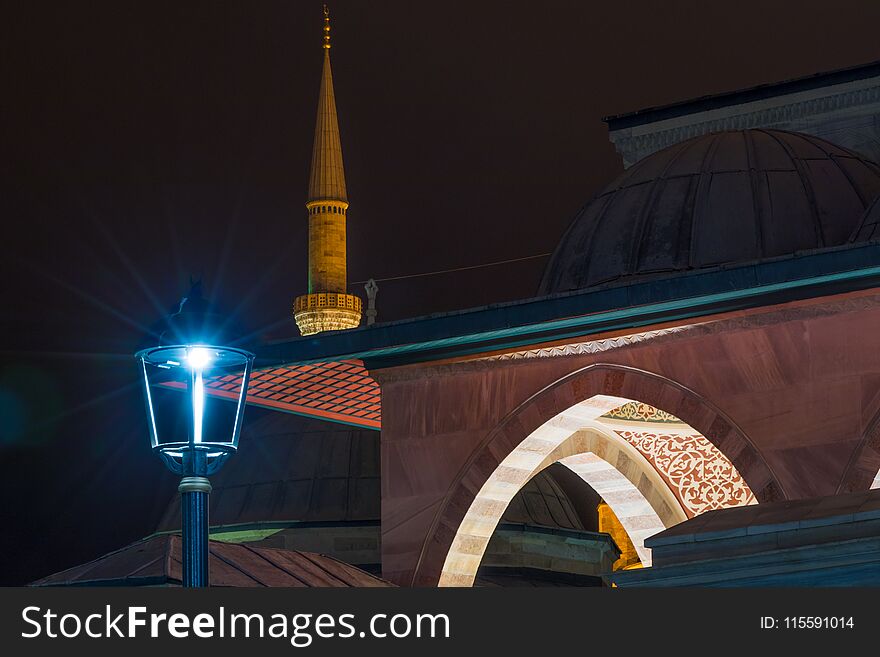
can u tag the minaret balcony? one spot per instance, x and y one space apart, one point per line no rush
327 311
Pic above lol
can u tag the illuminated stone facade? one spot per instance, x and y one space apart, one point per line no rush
609 524
327 311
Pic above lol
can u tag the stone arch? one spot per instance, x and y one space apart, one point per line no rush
583 384
630 505
863 471
640 499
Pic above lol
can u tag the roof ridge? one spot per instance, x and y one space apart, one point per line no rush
86 565
260 554
230 563
805 182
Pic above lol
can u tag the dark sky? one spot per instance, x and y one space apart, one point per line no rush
144 142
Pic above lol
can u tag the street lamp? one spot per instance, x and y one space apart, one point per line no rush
197 432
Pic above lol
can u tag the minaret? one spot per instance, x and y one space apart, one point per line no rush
327 306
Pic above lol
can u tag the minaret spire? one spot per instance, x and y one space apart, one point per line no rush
327 306
327 178
326 28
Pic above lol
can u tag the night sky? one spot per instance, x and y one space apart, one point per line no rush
144 143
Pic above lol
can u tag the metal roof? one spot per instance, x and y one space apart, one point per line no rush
613 307
294 471
784 515
869 229
156 561
722 198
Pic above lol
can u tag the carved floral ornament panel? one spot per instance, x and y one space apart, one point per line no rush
700 476
637 411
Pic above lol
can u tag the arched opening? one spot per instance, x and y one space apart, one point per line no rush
652 469
863 471
631 508
544 406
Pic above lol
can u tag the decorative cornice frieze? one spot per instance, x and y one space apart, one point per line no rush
761 318
591 347
634 147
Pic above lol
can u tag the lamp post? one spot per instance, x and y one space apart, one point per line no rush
195 433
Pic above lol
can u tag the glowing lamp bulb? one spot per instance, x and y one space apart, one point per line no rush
198 358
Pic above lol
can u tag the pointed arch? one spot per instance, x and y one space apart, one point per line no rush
583 384
627 482
863 470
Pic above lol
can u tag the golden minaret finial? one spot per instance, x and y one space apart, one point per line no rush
327 306
326 28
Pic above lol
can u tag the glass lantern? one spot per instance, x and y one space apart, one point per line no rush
192 431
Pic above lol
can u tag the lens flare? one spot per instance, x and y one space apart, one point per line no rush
199 358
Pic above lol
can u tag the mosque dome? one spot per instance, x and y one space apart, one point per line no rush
718 199
294 470
869 227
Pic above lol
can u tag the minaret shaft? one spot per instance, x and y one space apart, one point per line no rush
327 306
327 254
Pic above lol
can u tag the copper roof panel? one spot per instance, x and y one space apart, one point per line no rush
156 561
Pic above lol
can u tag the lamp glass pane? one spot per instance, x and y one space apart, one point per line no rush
194 396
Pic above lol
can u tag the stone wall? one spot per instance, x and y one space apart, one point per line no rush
787 393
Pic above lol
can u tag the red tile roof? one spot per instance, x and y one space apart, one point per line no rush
340 391
156 561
